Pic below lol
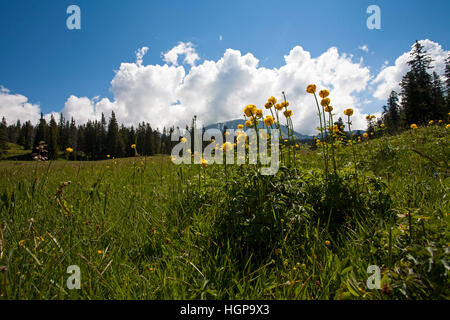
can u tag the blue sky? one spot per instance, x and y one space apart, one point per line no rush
44 61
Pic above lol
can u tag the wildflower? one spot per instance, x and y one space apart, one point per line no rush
183 140
250 110
240 126
288 113
151 269
227 146
279 107
69 150
311 88
268 105
440 121
431 122
447 126
259 113
284 104
278 251
348 112
108 156
382 125
328 109
366 135
325 102
368 117
133 146
268 121
372 117
286 262
22 243
272 100
248 123
371 133
414 126
99 251
327 243
204 163
324 93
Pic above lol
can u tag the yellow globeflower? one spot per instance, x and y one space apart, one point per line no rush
382 125
348 112
259 113
204 163
69 150
372 117
328 109
327 243
272 100
248 123
447 126
311 88
368 117
431 122
133 146
108 156
284 104
414 126
240 126
250 110
279 107
324 93
227 146
268 105
366 135
268 121
288 113
183 140
440 121
325 102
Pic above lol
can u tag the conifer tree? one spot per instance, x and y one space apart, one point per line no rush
53 147
41 132
3 137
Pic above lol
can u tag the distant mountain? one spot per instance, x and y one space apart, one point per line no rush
232 124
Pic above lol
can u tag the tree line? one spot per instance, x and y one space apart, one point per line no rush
93 140
424 97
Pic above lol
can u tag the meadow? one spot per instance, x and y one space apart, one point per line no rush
145 228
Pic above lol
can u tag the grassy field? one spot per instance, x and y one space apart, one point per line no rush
144 228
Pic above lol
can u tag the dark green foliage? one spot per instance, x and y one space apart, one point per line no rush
3 137
53 139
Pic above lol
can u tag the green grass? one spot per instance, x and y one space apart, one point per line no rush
143 228
16 152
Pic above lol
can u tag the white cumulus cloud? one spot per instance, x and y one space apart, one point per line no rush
183 48
16 107
218 90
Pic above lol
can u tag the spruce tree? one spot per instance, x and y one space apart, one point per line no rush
53 147
41 132
417 87
113 137
3 137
